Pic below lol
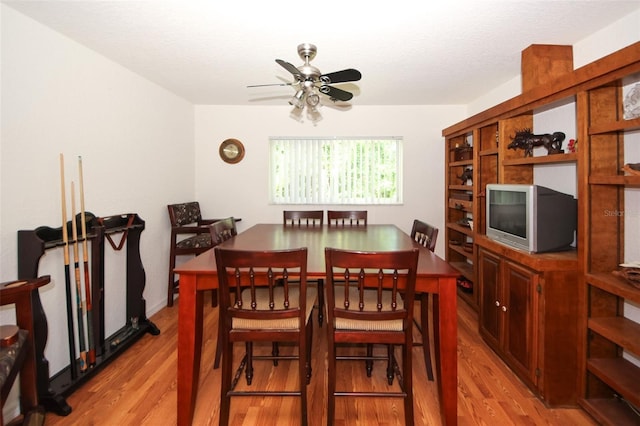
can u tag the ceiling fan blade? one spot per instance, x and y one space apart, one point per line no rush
273 84
289 67
335 93
343 76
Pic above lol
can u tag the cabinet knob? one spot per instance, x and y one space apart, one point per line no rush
504 308
498 303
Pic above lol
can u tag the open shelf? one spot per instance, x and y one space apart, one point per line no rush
615 180
614 285
486 152
620 330
615 126
547 159
610 411
620 373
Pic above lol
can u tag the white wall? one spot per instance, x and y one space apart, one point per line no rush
614 37
241 190
136 142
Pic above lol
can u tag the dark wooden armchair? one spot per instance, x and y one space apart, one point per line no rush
189 236
17 353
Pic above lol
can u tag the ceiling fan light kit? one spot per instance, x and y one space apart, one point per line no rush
310 82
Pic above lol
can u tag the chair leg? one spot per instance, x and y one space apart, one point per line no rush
391 362
309 334
320 301
249 370
275 351
303 371
216 361
225 382
424 325
369 362
331 382
172 283
407 380
214 298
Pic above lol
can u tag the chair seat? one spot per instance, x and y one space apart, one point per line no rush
370 300
197 241
262 299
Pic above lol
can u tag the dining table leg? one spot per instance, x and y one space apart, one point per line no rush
446 344
190 307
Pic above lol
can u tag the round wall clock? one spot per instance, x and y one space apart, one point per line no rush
231 151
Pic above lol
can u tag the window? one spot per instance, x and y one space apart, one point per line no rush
335 171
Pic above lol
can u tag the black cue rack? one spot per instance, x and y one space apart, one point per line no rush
32 245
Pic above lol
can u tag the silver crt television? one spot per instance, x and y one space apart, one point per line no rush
531 217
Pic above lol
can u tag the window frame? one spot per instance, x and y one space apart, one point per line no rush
323 184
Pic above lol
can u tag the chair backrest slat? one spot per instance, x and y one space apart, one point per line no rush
256 271
347 217
426 235
303 217
368 284
222 230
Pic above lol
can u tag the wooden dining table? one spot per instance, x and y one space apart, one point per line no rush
434 276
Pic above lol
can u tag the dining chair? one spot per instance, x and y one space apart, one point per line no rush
308 218
347 217
189 236
255 308
370 297
303 217
17 351
351 218
220 231
426 235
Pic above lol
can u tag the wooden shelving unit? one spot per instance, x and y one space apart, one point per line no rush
460 208
606 383
611 383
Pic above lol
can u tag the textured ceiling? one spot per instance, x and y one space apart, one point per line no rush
409 52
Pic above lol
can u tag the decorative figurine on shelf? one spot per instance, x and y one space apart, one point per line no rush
466 175
629 272
573 145
526 140
632 103
463 152
632 168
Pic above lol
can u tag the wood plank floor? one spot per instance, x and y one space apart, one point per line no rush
139 388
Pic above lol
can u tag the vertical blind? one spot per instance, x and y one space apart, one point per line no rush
335 170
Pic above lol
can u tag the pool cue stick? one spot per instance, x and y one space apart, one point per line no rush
91 354
67 276
76 267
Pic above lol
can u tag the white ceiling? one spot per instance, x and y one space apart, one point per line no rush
410 52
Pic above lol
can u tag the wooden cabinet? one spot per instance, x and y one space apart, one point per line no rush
525 305
508 302
561 321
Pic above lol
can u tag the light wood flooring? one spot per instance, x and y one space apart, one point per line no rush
139 387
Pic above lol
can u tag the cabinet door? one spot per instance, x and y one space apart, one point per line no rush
520 302
490 313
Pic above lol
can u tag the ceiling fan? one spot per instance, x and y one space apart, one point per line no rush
308 80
